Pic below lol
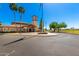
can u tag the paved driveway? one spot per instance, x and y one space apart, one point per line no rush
55 45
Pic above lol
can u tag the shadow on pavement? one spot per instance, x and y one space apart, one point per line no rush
13 41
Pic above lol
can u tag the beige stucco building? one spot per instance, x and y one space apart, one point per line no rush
21 26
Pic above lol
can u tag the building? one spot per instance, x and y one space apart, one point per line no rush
21 26
0 26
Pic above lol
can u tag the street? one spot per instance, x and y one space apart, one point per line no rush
33 45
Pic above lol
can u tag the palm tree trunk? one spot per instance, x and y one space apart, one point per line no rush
20 21
15 20
14 16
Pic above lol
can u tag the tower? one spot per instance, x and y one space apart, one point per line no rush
34 20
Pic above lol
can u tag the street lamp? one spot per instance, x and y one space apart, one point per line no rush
41 5
42 22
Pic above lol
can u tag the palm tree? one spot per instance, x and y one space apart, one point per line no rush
21 11
41 21
13 7
0 23
41 25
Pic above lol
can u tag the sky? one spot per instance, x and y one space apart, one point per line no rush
59 12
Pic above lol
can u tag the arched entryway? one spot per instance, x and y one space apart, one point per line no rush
31 30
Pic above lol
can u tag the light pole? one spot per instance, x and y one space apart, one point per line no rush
41 5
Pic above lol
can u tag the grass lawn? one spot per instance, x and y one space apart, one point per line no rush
71 31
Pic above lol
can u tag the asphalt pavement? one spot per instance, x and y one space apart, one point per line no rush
54 45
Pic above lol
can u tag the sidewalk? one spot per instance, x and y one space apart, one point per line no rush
34 33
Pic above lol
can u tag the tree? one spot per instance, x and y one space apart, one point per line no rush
0 24
45 29
41 25
53 25
62 25
21 11
56 26
50 26
0 27
13 7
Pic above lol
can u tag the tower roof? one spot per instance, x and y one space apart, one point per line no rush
34 18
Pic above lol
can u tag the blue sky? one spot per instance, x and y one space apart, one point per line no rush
60 12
